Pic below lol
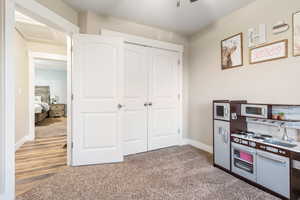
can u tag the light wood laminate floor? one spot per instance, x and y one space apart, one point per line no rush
37 160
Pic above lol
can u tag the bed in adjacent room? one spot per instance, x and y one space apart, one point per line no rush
42 102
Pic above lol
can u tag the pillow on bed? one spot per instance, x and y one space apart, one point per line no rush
45 106
38 99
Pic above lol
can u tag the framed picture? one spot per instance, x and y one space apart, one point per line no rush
296 34
232 51
269 52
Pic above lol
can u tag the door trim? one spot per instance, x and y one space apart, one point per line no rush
159 45
143 41
50 18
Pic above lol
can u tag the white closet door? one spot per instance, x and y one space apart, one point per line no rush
136 70
164 90
97 80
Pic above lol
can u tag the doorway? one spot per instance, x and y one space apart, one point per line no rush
50 79
41 102
32 9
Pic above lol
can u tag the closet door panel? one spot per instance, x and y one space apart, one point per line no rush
163 91
136 95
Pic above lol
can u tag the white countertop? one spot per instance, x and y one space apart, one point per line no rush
295 149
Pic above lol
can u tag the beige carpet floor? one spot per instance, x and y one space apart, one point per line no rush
51 127
177 173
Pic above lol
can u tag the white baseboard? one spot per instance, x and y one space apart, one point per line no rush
21 142
198 145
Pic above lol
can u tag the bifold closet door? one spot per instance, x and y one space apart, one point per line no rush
163 94
136 79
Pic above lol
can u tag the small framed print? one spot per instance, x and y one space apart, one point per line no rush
269 52
232 51
296 34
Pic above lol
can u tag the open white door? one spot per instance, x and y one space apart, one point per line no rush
97 99
164 107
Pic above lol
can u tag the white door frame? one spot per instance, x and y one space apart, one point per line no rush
132 39
7 134
2 117
32 57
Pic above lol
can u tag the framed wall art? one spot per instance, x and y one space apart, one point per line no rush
296 34
232 51
269 52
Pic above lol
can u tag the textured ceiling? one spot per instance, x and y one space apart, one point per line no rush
187 19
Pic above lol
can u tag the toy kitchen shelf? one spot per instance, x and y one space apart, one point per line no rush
290 113
272 112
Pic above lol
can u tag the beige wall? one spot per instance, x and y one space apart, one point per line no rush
22 86
271 82
91 23
62 9
22 48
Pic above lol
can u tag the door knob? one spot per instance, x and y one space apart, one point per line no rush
146 104
150 104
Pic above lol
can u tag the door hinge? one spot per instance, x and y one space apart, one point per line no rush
178 131
72 97
178 96
178 61
72 145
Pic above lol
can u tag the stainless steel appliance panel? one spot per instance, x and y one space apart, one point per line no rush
222 144
273 172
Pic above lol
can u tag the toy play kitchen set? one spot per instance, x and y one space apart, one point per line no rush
260 144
